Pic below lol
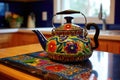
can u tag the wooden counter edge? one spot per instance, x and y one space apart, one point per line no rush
14 73
108 35
12 51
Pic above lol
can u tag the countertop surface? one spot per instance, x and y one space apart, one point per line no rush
104 65
104 34
11 72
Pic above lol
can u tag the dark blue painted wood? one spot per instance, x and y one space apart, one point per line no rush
37 8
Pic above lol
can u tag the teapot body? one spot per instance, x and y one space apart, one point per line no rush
68 48
72 45
69 44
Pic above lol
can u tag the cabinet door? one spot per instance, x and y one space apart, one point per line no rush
102 45
114 47
4 40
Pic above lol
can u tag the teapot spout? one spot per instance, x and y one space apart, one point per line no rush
41 38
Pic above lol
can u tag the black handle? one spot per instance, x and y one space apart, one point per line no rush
68 19
96 34
68 12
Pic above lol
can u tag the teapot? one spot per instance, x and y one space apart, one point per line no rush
69 42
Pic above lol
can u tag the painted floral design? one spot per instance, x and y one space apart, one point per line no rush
52 46
42 54
71 47
80 46
56 68
63 37
67 27
42 62
83 76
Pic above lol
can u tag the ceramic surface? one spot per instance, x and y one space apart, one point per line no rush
69 42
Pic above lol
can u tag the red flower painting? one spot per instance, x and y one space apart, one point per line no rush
67 27
52 46
56 68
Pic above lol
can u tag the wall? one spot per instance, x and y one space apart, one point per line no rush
116 26
37 8
25 9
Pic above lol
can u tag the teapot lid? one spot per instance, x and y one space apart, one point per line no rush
68 28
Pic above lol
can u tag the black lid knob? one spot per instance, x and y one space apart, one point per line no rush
68 19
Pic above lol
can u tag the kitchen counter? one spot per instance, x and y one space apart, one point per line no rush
5 52
108 71
109 40
11 73
107 34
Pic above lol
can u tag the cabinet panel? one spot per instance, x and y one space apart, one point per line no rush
4 38
24 38
17 39
103 45
114 46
